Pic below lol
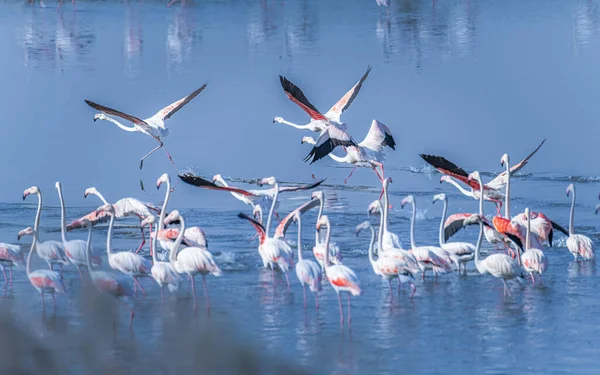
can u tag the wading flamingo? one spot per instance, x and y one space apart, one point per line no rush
44 281
51 251
117 286
192 260
578 244
335 255
127 262
390 240
389 268
461 253
308 271
341 278
534 260
163 272
10 256
154 126
501 266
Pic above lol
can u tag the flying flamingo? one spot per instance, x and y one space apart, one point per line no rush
192 260
51 251
118 286
273 251
341 278
461 253
335 255
127 262
367 154
578 244
319 122
44 281
492 190
534 260
308 271
154 126
499 265
387 267
163 272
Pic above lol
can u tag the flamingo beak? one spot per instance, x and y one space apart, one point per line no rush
597 209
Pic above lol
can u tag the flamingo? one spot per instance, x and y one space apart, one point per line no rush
428 257
499 265
154 126
340 277
489 195
10 256
367 154
578 244
117 286
192 260
129 263
492 190
163 272
273 251
390 240
319 122
51 251
308 271
461 253
534 260
44 281
75 250
387 267
335 255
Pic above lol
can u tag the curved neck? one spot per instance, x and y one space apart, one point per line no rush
480 197
299 238
478 264
317 233
386 206
88 248
126 128
173 256
371 248
327 236
444 212
109 235
163 210
527 239
307 126
412 225
460 188
380 233
38 214
337 158
572 213
272 209
507 196
63 219
154 241
35 233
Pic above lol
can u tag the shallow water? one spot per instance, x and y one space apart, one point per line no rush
469 80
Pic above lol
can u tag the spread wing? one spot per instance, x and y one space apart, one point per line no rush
329 139
453 224
338 108
258 226
500 181
296 95
447 167
378 137
285 223
195 180
171 109
114 112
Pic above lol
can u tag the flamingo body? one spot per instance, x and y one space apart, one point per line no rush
309 273
581 246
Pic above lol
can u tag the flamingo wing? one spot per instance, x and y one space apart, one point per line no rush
329 139
453 224
296 95
338 108
171 109
131 206
192 179
301 187
114 112
262 234
500 181
378 137
285 223
447 167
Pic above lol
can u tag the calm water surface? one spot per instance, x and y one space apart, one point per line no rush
466 79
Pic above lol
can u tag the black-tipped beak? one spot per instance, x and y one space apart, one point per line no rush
24 196
274 121
95 119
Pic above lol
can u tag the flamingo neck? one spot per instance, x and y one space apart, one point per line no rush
480 197
318 233
124 127
444 212
272 209
109 235
380 233
36 225
63 219
285 122
371 247
173 256
460 188
386 206
572 214
478 263
327 237
88 248
299 238
163 210
527 235
337 158
412 225
154 241
507 196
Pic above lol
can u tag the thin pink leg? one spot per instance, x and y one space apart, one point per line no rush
10 272
194 291
349 316
304 294
4 273
43 302
414 289
131 315
317 301
532 278
143 241
151 249
61 271
139 285
206 296
341 311
134 287
80 274
350 175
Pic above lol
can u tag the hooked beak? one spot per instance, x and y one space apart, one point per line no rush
274 121
597 209
24 196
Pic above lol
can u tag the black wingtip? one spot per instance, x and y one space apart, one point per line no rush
515 239
559 228
242 215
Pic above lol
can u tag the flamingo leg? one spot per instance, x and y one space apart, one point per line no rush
10 275
341 311
171 3
206 296
317 301
287 279
304 294
162 290
43 302
4 273
53 300
160 145
139 285
349 316
61 271
506 291
194 291
143 241
350 175
532 278
414 289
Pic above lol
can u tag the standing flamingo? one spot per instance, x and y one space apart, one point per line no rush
10 256
341 278
192 260
390 240
578 244
118 286
154 126
534 260
51 251
308 271
500 266
163 272
127 262
44 281
319 249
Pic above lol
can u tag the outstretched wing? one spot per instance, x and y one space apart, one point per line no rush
285 223
114 112
447 167
296 95
258 226
171 109
329 139
500 180
302 187
378 137
195 180
338 108
454 223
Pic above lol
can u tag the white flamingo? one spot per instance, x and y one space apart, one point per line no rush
308 272
192 260
578 244
533 260
163 272
10 256
341 277
390 240
335 255
154 126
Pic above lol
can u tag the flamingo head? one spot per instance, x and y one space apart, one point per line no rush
148 221
58 185
31 190
439 197
387 182
317 195
89 191
410 199
473 219
362 226
309 140
99 116
375 207
163 179
278 120
257 212
570 189
267 181
297 217
445 179
504 160
173 216
25 232
597 208
527 213
323 221
217 178
474 176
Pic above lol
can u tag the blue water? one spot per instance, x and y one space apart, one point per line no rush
469 80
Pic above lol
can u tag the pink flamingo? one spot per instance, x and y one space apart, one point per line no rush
163 272
10 256
534 260
578 244
308 271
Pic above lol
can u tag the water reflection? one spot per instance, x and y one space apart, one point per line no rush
183 34
585 25
132 41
